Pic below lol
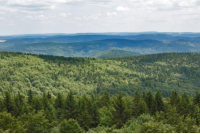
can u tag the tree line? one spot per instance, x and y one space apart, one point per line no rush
143 112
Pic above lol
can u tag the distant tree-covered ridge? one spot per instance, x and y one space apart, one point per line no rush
70 113
165 72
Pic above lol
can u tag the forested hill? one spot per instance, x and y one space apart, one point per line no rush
41 73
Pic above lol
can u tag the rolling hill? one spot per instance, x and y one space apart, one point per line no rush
91 44
41 73
115 53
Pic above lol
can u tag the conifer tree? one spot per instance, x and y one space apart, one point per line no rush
45 101
58 101
159 102
70 126
95 115
184 105
142 107
84 118
49 96
150 102
8 102
30 96
174 99
136 102
20 98
105 99
153 108
70 106
196 99
143 95
119 114
37 105
17 107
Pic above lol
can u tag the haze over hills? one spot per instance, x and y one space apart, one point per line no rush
91 44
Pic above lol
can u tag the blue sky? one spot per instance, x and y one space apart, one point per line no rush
82 16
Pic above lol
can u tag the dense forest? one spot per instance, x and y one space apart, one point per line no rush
146 93
99 114
165 72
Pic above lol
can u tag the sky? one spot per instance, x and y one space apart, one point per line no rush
97 16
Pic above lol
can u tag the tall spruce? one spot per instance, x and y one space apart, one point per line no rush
84 118
59 101
136 101
119 114
95 115
159 101
8 102
70 107
105 99
30 96
149 99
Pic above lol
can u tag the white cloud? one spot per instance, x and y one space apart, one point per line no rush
122 9
92 17
29 17
2 18
111 13
64 14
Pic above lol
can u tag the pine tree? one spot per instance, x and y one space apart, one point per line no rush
143 95
37 105
30 96
119 115
142 107
84 118
196 99
136 102
159 102
174 100
49 96
58 101
95 115
184 105
8 102
70 126
150 102
45 101
105 99
70 106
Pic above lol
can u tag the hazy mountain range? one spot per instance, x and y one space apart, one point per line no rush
101 45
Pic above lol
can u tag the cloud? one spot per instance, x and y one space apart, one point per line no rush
29 17
64 14
2 18
111 14
122 9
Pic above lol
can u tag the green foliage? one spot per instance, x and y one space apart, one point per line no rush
36 123
50 74
154 127
119 114
159 102
31 99
70 106
106 116
188 126
70 126
105 99
59 101
9 124
30 96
